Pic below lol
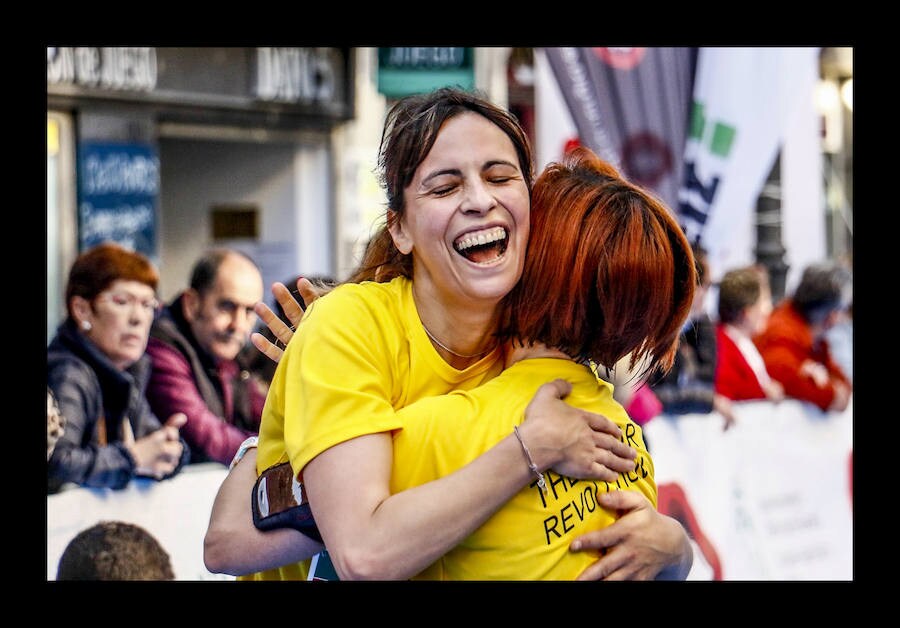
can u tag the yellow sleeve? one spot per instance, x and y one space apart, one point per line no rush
338 372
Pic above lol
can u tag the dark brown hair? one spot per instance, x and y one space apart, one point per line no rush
97 268
206 268
740 288
410 130
824 287
114 550
608 272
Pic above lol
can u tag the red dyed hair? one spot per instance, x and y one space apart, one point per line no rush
97 268
608 272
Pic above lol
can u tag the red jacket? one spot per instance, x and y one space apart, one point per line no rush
735 377
785 345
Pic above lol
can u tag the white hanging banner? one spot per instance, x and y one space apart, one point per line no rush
744 101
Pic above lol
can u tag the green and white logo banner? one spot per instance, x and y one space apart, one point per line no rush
745 101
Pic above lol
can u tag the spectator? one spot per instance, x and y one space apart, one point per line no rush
98 371
195 344
794 345
745 303
689 387
114 550
56 422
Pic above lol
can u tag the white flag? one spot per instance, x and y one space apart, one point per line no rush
744 102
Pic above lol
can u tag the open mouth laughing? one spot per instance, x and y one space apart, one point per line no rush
482 247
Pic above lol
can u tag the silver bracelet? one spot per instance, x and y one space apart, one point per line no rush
540 476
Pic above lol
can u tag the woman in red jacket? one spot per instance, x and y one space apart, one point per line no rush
793 344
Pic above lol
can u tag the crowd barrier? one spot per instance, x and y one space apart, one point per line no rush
175 511
769 499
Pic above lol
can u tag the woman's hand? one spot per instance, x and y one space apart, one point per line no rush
157 454
292 310
774 391
642 544
572 441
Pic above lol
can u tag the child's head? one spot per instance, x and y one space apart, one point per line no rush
609 272
114 550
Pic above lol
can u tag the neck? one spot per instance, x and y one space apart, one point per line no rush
463 333
518 352
737 330
465 356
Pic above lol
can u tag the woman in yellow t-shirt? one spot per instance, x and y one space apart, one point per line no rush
457 171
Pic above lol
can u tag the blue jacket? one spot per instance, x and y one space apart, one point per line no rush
95 397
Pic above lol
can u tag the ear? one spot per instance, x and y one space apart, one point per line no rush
190 305
398 232
81 309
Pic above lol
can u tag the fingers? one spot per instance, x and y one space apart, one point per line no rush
558 388
609 567
624 501
600 423
307 291
281 331
289 304
616 447
127 434
608 466
177 420
617 501
267 348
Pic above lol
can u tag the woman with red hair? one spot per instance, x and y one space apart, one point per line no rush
98 371
608 274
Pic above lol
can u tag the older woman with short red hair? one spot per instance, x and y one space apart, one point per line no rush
97 370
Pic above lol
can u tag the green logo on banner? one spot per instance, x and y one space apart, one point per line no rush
722 137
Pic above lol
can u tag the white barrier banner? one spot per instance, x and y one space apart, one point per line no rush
175 511
769 499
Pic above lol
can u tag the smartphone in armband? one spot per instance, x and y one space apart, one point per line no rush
279 501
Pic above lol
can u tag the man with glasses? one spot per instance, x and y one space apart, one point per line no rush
195 344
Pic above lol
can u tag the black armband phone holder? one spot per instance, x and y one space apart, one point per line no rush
279 501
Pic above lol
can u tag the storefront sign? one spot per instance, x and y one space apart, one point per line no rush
413 70
118 188
291 81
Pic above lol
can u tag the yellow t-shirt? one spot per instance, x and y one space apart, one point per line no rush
359 355
529 537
